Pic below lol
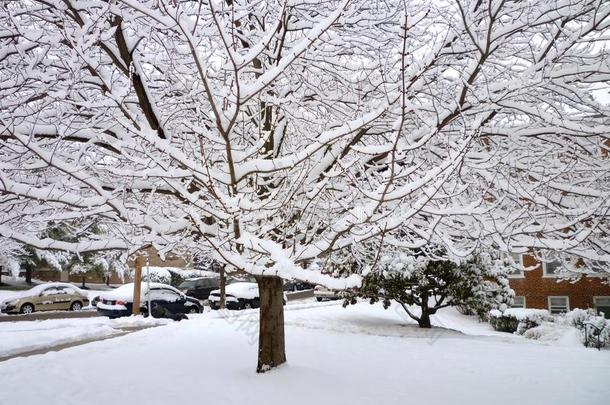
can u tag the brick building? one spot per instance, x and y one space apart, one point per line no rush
541 288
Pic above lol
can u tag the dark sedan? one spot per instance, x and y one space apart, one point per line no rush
119 302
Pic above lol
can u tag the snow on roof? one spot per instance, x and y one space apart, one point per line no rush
241 289
125 292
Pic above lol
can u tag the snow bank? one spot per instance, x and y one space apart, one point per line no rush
556 334
25 336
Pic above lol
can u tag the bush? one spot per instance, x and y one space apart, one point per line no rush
157 275
518 320
503 323
595 329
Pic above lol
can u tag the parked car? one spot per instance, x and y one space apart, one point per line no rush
296 285
119 302
46 297
95 300
199 287
322 293
238 295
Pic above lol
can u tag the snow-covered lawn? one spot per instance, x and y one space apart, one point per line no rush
358 355
25 336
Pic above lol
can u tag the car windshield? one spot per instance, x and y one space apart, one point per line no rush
188 284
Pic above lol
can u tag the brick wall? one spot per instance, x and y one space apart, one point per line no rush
536 288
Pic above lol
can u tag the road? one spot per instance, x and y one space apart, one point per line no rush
41 316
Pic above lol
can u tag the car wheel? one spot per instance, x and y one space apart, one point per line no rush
246 305
27 309
76 306
319 299
194 310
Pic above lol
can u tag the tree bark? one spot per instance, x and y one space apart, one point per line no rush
28 275
271 348
223 286
424 319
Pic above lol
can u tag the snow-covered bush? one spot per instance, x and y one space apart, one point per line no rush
594 329
503 323
577 317
518 320
555 333
157 275
173 275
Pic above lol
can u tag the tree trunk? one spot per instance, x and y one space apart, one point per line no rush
83 282
223 285
28 275
271 350
424 319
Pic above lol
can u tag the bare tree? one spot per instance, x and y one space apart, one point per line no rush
275 133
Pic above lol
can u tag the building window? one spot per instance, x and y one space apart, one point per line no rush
551 269
602 305
558 305
516 265
518 302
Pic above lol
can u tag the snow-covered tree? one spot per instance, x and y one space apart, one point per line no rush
276 133
10 251
83 264
477 284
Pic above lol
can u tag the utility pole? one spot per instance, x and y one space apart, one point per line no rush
137 282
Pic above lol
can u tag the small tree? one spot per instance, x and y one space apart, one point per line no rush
478 283
9 257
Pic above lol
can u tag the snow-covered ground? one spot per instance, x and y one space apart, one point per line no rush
358 355
25 336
